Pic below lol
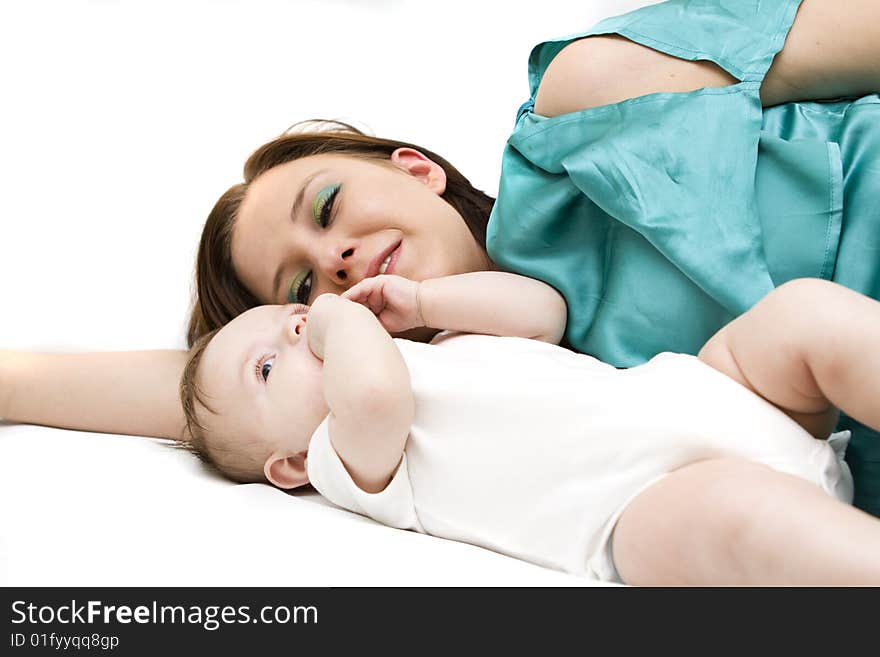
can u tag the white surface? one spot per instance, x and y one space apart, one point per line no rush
81 509
121 124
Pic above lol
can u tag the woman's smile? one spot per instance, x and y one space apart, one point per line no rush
384 262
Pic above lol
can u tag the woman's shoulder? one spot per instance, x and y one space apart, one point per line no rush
607 69
673 46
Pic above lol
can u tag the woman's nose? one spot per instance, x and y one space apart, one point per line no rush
336 264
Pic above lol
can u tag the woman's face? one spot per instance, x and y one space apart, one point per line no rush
323 223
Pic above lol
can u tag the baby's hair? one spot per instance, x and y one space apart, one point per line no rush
192 395
218 454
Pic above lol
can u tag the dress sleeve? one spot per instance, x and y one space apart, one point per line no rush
394 506
741 36
644 213
677 168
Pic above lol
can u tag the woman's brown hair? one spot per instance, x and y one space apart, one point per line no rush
219 295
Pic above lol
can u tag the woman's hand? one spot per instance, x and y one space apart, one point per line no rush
393 299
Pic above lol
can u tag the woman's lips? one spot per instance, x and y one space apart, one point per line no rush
391 260
389 255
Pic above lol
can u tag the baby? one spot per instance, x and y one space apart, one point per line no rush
493 435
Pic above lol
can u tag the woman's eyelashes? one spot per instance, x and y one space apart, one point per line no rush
300 289
322 206
264 367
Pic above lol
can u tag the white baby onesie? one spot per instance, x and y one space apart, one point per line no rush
532 450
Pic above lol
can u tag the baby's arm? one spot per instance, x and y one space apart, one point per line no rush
128 392
366 386
810 347
493 303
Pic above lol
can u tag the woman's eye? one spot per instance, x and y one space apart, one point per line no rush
300 288
323 204
266 367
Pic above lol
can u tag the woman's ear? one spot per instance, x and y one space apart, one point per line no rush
421 167
286 471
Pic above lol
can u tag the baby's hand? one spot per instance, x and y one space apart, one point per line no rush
319 318
393 299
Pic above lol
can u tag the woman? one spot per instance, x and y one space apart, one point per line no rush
659 216
659 219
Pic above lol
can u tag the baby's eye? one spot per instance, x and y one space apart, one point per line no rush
265 367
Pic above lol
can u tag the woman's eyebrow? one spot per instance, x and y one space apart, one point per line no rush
297 202
294 211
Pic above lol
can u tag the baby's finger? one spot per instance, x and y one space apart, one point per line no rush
360 293
375 301
355 292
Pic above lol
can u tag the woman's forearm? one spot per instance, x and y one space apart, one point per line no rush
832 50
128 392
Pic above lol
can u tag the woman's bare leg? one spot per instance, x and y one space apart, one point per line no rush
734 522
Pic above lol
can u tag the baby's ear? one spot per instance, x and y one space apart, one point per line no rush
286 471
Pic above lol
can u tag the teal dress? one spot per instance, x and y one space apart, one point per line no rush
663 217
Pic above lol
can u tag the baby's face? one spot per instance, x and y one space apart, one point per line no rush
260 376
